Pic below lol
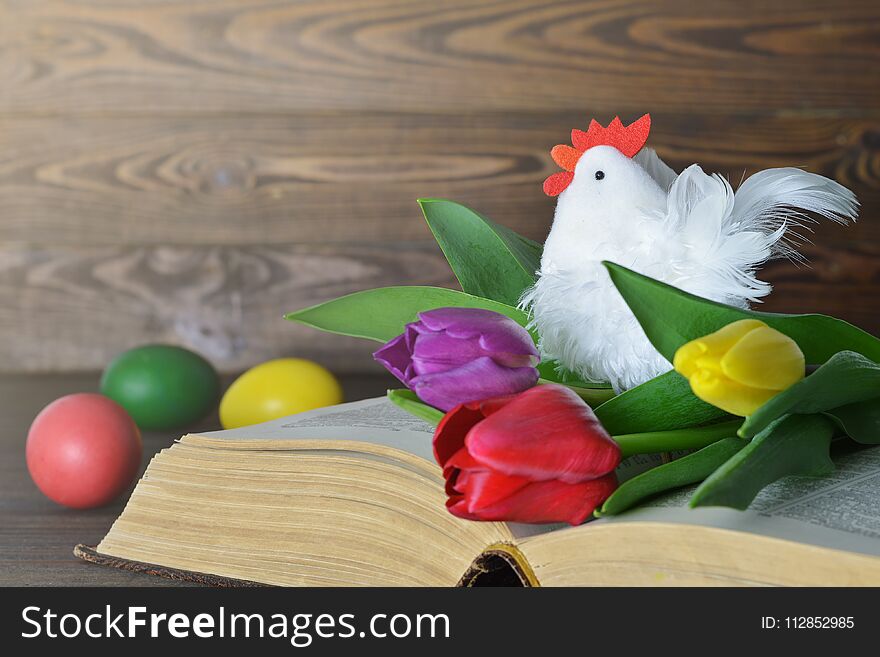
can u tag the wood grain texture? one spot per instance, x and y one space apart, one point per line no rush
186 171
342 178
73 308
452 55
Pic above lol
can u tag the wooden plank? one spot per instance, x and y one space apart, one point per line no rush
344 178
74 308
719 57
121 231
842 282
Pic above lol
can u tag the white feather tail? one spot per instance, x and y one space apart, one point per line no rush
727 237
777 202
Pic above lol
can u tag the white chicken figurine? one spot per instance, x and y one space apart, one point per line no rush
618 201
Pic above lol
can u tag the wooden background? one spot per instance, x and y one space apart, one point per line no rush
188 170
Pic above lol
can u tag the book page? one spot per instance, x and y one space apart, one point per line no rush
375 421
380 422
841 510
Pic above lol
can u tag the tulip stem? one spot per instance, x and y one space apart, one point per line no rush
668 441
593 396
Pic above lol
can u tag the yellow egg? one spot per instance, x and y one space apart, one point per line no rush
276 389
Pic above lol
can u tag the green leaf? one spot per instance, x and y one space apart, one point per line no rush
860 421
408 401
382 313
846 378
687 470
488 260
793 445
671 317
665 402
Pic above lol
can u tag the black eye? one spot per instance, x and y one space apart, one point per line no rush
600 175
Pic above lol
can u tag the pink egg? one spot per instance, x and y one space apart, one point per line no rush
83 450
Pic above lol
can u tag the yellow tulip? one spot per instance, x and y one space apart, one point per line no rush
741 366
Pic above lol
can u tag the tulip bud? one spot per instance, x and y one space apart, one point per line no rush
539 456
741 366
456 355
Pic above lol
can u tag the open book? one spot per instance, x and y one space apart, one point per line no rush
351 495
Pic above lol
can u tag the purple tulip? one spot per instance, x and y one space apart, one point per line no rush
451 356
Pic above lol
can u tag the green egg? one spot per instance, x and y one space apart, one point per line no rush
162 386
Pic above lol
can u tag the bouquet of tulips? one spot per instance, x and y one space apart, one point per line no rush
752 396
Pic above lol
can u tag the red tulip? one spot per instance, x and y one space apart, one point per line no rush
538 456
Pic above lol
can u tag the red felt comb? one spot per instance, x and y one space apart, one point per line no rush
627 139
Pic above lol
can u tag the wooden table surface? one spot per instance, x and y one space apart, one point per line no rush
36 535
